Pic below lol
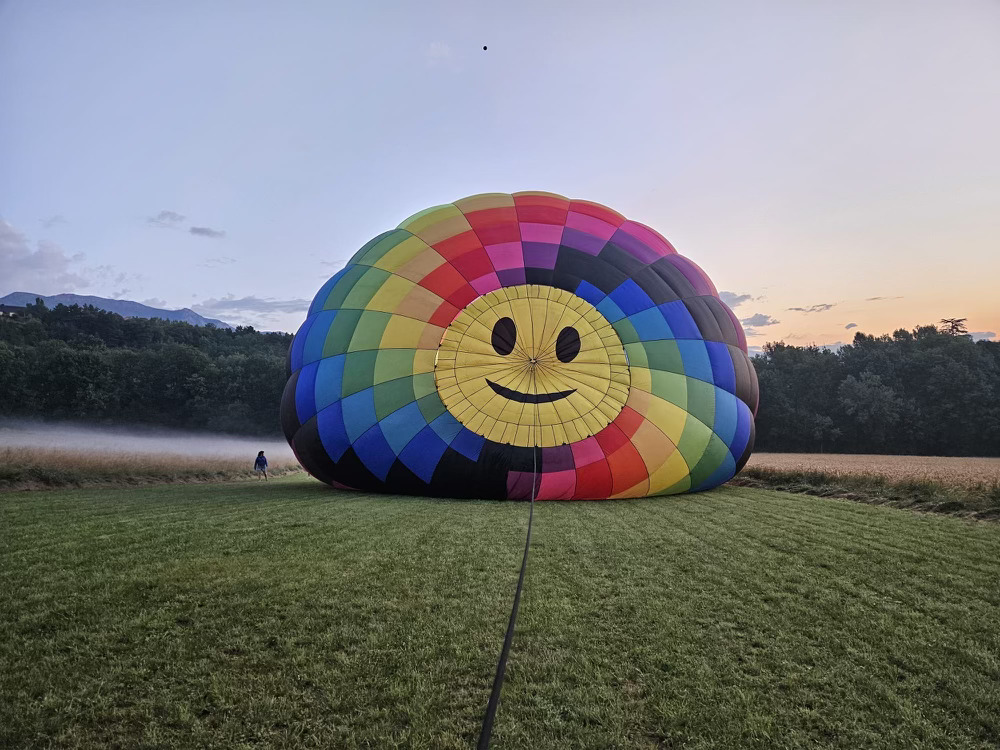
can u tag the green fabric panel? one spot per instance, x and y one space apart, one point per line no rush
693 441
423 384
664 355
670 387
338 338
636 355
677 487
365 288
358 369
393 363
372 252
393 395
715 454
431 407
368 334
343 287
701 400
626 331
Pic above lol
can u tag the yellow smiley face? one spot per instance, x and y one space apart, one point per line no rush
532 365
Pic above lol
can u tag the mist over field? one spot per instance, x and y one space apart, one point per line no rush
77 437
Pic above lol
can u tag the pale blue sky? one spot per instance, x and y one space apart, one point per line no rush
804 154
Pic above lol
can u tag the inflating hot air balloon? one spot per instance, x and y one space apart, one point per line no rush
505 346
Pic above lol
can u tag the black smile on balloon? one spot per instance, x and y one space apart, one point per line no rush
503 340
529 398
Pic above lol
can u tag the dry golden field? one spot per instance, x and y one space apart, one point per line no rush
955 471
40 468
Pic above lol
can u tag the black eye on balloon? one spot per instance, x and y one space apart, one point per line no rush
504 336
568 344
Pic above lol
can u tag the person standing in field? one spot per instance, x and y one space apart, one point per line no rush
260 466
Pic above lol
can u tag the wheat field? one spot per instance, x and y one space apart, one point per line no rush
955 471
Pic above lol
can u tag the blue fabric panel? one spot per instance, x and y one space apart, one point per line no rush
305 388
330 425
423 453
468 443
447 427
744 418
359 412
651 326
312 351
680 320
695 358
324 291
299 343
589 292
374 452
329 378
724 473
722 365
400 427
726 416
610 310
630 298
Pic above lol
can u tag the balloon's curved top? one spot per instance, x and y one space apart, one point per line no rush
502 341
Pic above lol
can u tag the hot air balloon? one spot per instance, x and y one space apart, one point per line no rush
518 346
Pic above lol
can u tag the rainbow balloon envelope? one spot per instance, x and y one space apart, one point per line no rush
505 346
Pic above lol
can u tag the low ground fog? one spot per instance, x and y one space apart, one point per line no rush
109 440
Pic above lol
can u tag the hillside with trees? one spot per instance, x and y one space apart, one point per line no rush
925 391
81 363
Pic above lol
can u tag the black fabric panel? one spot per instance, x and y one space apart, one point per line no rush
674 279
655 286
621 260
457 476
594 270
309 450
748 450
746 377
287 412
541 276
352 472
400 479
702 314
725 322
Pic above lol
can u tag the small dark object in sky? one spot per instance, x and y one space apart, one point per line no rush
484 47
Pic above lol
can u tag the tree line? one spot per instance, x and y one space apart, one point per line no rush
925 391
82 363
920 392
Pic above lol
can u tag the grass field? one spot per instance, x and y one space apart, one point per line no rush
291 615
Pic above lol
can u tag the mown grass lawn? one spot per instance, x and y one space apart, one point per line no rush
289 615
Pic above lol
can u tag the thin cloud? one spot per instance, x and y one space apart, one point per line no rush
733 299
849 326
983 335
165 219
155 302
814 308
251 304
877 299
216 262
53 221
44 269
207 232
759 319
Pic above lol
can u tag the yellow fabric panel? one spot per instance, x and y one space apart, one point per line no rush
423 361
403 333
418 303
668 417
670 472
404 252
654 447
387 298
420 222
484 201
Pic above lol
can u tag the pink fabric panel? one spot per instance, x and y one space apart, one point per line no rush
486 284
590 225
505 255
549 233
587 452
557 485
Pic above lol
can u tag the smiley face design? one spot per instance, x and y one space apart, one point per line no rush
532 365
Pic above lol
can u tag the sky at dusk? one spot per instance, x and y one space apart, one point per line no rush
832 166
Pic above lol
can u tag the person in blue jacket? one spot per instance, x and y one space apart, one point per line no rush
260 466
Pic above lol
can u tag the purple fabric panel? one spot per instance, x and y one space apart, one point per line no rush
519 485
578 240
693 274
650 237
559 458
539 254
635 247
511 277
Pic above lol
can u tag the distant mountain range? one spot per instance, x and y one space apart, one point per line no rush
125 308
